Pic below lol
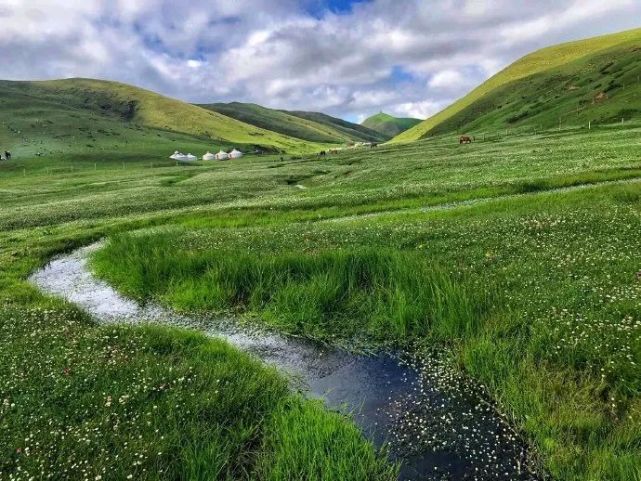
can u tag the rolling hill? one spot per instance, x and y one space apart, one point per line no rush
356 133
90 115
286 123
389 125
548 85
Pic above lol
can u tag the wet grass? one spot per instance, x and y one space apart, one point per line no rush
558 341
153 403
346 293
292 447
539 301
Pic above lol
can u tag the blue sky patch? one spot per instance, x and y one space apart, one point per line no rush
319 8
400 75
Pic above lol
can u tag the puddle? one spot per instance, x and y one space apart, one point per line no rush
436 422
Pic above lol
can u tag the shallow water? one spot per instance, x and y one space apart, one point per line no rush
436 422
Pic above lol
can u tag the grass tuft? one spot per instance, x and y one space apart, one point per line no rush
382 293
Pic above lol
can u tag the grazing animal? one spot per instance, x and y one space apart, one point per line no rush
600 98
465 139
373 145
7 155
322 153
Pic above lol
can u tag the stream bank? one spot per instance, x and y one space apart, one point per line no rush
437 423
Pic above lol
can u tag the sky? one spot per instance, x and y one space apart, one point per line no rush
349 58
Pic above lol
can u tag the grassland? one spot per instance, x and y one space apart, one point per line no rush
388 125
522 255
347 294
65 117
81 401
550 77
293 126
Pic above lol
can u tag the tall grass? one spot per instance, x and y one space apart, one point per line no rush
292 448
382 293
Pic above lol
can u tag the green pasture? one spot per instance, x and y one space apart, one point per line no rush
518 254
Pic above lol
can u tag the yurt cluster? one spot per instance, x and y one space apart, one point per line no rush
222 155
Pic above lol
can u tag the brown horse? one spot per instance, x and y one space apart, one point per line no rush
465 139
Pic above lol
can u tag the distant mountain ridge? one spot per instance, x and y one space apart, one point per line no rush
309 126
388 125
358 133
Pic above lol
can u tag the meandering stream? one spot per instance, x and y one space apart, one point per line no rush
440 425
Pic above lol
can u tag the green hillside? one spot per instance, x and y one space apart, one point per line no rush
287 124
389 125
65 116
355 132
595 90
559 69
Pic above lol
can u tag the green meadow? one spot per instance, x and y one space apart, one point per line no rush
518 255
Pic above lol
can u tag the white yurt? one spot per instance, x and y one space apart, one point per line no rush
222 155
235 154
209 156
176 155
190 158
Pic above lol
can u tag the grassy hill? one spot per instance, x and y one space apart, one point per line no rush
78 115
571 74
355 132
388 125
283 122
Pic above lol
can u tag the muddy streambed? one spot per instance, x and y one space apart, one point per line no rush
438 424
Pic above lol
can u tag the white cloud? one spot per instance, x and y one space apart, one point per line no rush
418 110
447 79
409 58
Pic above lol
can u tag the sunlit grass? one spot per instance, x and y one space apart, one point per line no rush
381 293
532 287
